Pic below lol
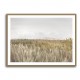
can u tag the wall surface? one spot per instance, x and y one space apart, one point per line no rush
38 6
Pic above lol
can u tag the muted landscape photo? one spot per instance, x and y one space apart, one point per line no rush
41 40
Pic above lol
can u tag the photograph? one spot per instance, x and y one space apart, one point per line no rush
40 40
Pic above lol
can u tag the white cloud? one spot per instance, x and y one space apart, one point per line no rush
41 28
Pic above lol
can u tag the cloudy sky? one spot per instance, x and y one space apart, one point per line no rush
41 28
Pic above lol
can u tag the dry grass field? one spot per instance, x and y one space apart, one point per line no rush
26 50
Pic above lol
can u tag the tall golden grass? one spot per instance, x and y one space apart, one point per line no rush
26 50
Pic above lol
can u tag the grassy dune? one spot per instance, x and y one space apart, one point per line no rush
26 50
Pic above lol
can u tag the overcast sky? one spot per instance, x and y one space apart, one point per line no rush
33 28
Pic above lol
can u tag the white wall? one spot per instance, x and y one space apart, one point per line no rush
38 6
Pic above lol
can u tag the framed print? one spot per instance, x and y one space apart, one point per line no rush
40 40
